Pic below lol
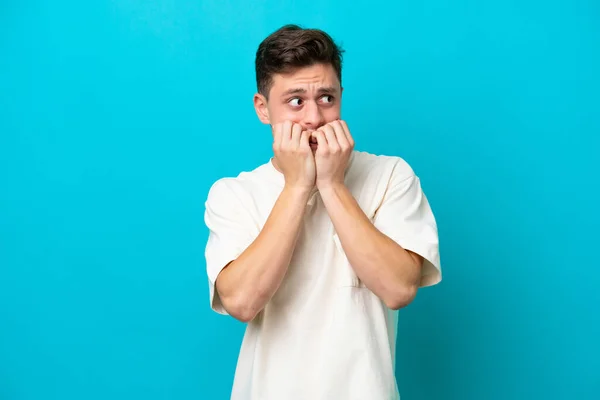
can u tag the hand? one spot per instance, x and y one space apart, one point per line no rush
335 146
294 156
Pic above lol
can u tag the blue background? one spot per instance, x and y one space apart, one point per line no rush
117 116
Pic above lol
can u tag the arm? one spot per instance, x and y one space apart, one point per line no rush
248 283
388 270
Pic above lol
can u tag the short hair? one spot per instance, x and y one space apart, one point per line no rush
292 47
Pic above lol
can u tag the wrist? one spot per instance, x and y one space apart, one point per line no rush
300 192
332 191
328 186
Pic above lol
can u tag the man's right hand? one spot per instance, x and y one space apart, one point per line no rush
294 156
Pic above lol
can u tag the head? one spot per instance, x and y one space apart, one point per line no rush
299 78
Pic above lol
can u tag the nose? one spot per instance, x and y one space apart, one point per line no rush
312 118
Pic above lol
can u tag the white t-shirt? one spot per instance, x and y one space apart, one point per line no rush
324 335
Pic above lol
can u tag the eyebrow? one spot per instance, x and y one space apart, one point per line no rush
321 90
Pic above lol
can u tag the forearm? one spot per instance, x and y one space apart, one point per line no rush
387 269
248 283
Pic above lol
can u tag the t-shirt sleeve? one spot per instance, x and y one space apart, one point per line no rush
406 217
230 232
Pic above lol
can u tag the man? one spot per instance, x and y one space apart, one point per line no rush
320 246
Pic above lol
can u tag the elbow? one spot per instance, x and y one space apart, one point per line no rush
243 315
236 302
241 309
401 297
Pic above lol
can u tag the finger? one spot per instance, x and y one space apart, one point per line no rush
296 135
340 135
332 142
347 131
305 140
276 130
286 134
322 146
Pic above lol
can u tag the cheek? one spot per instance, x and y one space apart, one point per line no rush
280 114
332 114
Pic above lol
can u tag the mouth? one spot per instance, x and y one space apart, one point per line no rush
312 141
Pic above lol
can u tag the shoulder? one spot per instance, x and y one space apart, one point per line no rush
221 190
394 167
236 188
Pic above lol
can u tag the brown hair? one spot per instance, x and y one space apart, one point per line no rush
292 47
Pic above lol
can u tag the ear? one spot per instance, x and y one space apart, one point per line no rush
260 106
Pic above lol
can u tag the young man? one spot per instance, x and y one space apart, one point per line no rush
320 246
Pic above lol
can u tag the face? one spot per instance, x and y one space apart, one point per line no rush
309 96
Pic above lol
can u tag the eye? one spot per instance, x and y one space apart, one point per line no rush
327 99
295 102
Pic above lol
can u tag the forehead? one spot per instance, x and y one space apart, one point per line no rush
309 78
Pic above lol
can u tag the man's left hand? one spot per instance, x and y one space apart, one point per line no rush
334 148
